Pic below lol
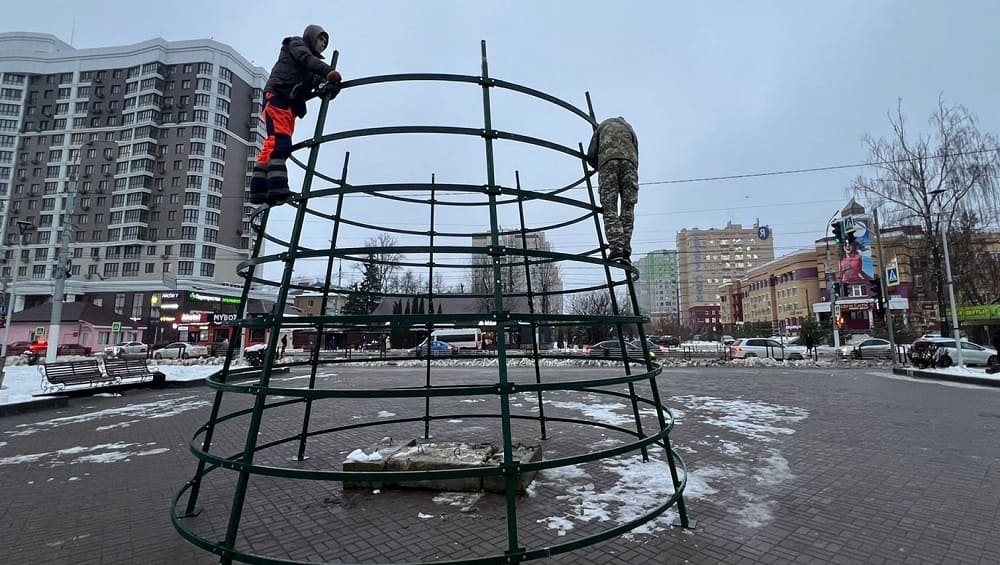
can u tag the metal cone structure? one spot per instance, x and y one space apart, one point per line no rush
270 484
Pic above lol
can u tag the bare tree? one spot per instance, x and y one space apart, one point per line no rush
930 180
386 261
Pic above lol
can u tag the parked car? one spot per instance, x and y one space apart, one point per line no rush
650 345
180 349
941 352
612 350
437 348
668 341
873 348
126 349
17 347
766 347
40 348
727 340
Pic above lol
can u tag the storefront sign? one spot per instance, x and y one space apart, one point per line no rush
197 296
224 319
191 318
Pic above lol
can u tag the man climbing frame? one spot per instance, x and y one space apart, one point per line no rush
297 76
614 152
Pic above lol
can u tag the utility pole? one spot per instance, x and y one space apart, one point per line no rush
831 276
884 288
951 297
60 270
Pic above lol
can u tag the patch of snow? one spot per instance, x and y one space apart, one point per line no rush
604 413
423 516
385 414
359 456
150 410
756 420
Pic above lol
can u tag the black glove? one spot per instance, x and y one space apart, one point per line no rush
328 90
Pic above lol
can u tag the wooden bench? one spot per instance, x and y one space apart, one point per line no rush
121 369
56 376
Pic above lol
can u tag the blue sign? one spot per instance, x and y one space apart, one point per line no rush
892 276
763 232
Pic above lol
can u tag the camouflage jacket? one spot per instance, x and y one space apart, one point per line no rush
614 138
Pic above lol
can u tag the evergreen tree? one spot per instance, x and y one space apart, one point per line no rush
363 298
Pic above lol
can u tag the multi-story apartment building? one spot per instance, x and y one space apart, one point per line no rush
779 293
658 287
546 278
132 160
711 257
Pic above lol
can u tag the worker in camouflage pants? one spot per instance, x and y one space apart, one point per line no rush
614 152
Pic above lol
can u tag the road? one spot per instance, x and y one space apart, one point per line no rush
786 465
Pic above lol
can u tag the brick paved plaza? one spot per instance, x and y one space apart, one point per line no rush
786 465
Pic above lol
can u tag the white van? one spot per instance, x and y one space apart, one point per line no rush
461 338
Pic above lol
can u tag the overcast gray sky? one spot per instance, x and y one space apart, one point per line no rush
712 88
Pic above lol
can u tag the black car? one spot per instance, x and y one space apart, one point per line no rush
667 340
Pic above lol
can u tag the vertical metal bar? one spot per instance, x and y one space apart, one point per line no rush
614 301
430 289
237 336
301 455
501 323
277 318
531 304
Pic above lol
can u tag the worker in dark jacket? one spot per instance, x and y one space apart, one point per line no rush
614 152
294 79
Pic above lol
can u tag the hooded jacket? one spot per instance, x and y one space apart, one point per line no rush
299 67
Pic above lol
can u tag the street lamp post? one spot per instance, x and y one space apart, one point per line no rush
951 285
23 228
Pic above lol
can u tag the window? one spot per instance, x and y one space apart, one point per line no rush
225 74
131 269
111 270
191 216
221 121
185 268
222 105
201 99
204 68
207 270
218 153
189 233
204 84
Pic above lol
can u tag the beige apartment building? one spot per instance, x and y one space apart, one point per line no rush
779 293
712 257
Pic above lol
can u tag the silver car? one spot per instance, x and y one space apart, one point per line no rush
972 354
126 349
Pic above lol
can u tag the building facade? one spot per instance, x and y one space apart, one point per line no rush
658 287
546 277
711 257
130 164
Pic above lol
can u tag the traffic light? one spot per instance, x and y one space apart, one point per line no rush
836 290
876 294
3 320
840 321
837 229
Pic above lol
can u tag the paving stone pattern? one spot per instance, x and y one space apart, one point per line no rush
787 466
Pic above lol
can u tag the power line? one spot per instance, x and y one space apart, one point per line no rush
820 169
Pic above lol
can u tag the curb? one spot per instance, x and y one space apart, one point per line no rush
965 379
33 406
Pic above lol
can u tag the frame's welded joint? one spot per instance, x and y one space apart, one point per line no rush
505 388
513 469
490 133
498 251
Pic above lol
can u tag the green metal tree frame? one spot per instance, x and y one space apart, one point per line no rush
256 381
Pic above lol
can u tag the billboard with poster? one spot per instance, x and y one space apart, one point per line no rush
856 265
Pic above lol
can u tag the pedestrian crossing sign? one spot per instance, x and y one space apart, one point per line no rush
892 276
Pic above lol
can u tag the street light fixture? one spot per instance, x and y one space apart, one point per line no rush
23 227
950 283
